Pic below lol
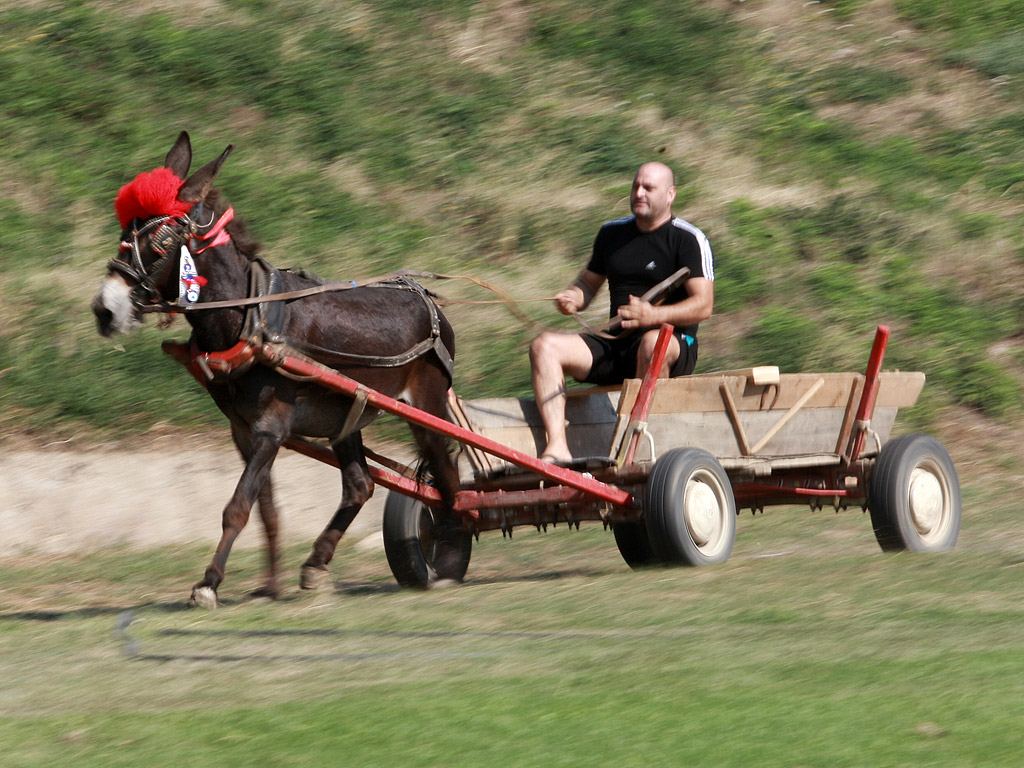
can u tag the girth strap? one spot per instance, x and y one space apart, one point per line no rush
266 319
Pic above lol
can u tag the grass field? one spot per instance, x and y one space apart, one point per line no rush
854 162
809 648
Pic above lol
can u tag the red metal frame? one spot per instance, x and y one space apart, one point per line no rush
866 409
573 488
644 398
852 473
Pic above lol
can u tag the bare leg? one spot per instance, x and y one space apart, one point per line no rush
646 352
553 356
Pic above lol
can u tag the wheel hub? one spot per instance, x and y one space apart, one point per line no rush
926 500
702 511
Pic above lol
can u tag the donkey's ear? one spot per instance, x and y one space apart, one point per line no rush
180 157
199 183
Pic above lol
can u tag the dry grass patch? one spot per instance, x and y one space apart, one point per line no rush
491 38
805 36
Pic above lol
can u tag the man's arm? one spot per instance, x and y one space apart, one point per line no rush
578 296
697 306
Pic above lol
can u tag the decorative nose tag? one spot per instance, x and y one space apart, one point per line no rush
188 279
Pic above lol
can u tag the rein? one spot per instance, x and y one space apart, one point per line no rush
612 328
218 235
348 285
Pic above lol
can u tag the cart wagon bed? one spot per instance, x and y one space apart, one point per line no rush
753 421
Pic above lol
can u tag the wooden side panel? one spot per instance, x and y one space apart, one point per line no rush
701 393
693 411
808 432
899 389
591 415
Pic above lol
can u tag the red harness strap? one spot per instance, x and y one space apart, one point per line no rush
206 366
216 236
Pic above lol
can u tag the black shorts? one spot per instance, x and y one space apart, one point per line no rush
615 359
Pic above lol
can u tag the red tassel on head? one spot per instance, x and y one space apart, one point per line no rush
150 194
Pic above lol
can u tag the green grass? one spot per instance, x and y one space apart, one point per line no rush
809 647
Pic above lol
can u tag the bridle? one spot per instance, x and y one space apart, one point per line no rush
167 235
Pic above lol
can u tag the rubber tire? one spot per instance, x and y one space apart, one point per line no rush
672 479
634 545
422 548
903 464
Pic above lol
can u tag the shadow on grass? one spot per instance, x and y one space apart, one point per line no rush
356 588
91 612
132 647
559 575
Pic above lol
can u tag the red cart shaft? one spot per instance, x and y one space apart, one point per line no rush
595 489
866 409
642 406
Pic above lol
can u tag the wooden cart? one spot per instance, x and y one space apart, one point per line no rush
667 464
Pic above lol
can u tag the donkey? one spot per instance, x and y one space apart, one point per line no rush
181 247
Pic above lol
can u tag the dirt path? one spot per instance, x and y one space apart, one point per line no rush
58 501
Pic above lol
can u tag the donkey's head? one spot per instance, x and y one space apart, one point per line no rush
161 217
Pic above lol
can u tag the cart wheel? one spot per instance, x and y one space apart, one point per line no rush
691 510
914 496
422 545
634 545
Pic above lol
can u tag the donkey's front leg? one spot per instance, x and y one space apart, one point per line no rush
236 515
268 513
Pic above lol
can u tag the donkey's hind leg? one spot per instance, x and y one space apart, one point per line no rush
432 397
356 488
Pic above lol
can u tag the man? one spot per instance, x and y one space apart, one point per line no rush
633 254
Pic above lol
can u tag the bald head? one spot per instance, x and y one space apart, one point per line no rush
654 189
660 170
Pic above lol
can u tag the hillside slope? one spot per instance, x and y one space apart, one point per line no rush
854 164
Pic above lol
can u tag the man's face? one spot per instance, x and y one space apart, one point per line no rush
652 194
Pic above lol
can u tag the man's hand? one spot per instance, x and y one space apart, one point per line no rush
569 301
638 314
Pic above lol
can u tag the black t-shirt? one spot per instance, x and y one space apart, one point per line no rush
635 261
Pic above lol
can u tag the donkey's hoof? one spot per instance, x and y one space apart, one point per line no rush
266 592
204 597
313 577
443 583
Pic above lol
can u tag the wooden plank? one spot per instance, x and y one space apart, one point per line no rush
808 432
851 412
480 460
516 423
702 393
488 413
787 416
899 389
734 417
757 465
